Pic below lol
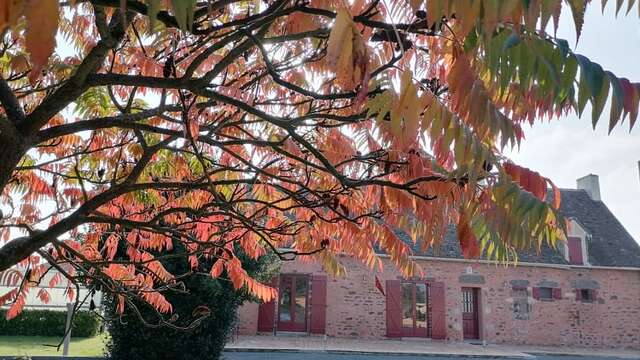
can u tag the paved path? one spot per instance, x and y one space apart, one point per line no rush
332 356
408 349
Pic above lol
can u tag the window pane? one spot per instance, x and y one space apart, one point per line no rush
586 295
546 293
519 292
285 300
421 305
407 305
467 301
301 299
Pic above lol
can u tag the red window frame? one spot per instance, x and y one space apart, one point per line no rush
293 324
415 331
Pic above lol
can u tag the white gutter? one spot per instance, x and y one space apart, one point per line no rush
545 265
519 263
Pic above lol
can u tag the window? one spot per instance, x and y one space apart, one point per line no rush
519 292
521 307
586 295
414 309
547 293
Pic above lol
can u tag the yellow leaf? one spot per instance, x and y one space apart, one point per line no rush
341 29
347 52
406 107
42 25
344 66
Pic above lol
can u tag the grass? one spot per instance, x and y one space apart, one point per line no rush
36 345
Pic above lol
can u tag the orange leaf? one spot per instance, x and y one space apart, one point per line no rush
42 25
556 194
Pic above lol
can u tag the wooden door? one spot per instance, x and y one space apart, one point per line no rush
292 305
414 309
470 309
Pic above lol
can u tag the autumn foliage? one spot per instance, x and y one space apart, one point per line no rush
303 128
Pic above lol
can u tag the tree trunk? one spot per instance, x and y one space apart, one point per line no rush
12 148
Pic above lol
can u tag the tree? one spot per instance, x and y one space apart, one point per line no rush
315 126
213 301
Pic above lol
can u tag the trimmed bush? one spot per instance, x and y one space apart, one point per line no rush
49 323
131 339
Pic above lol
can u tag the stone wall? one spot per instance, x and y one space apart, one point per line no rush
355 308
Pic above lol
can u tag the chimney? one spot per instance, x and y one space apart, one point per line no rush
590 184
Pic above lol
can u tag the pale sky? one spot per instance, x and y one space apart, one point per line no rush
566 149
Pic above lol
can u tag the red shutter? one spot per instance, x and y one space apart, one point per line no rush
318 304
594 295
557 293
535 292
438 311
578 294
575 251
394 309
266 312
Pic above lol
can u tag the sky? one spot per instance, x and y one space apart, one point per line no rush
567 148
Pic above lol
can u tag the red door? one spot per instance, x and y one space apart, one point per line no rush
292 307
470 328
414 309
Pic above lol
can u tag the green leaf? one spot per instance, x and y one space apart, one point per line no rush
578 8
183 11
511 41
583 95
563 45
546 9
617 100
593 85
598 102
153 6
592 73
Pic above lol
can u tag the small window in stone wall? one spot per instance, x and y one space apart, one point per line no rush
547 293
586 295
521 306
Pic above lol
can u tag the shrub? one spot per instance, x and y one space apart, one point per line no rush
130 338
49 323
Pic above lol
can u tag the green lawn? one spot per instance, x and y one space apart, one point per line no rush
36 345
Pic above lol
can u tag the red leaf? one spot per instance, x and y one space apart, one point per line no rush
43 295
468 240
17 306
529 180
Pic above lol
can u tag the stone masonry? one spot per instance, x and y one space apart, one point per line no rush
355 308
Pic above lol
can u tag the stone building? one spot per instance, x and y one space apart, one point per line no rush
587 293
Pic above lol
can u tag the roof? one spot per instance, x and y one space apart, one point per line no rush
609 243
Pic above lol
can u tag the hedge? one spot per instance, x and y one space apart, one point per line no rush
130 339
49 323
